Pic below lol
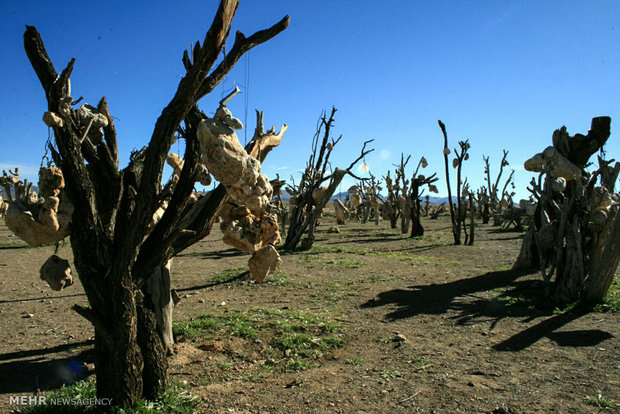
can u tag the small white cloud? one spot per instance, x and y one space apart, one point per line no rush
384 154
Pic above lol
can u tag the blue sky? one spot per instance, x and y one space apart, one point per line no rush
503 74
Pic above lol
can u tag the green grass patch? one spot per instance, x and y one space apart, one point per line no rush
300 337
529 294
228 275
398 255
502 269
390 374
348 263
318 248
309 258
279 279
201 327
14 245
240 324
611 302
225 365
420 362
386 340
600 402
354 361
295 365
173 400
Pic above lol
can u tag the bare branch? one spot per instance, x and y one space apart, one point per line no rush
240 47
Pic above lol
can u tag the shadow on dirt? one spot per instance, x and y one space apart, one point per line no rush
523 299
517 237
241 277
41 298
439 298
363 240
215 255
546 328
39 373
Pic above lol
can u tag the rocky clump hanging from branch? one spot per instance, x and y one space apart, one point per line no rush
38 220
305 210
41 219
246 224
574 238
56 271
116 249
341 212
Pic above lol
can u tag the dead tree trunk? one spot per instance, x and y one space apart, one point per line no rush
418 181
456 213
472 223
456 226
113 208
404 202
391 205
573 238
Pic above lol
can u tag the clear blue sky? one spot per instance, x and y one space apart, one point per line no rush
503 74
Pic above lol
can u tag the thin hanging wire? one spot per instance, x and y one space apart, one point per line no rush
47 148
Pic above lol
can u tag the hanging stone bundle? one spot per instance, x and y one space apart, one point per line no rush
245 225
319 194
45 219
341 211
56 272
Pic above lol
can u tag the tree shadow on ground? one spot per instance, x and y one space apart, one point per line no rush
522 299
380 239
245 276
41 298
40 373
439 298
517 237
215 255
546 328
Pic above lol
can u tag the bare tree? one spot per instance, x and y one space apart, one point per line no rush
311 196
496 201
113 255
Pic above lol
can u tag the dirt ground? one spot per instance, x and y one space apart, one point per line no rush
422 326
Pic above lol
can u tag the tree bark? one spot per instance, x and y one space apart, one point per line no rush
604 262
456 229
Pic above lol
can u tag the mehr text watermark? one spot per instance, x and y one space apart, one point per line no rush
44 400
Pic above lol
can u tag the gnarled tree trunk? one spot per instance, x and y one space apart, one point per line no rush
114 252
